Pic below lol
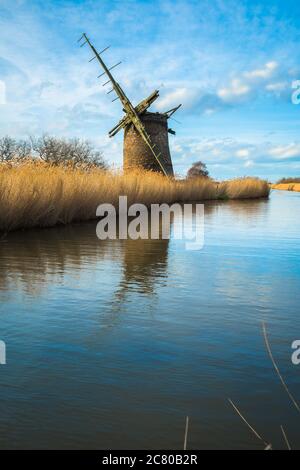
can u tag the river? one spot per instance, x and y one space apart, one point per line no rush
112 344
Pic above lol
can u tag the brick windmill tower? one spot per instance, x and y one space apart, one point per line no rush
146 143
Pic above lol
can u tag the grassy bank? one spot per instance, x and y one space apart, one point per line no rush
41 195
287 186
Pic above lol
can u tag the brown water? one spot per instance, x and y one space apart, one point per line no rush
111 344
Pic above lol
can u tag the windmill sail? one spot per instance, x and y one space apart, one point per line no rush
140 109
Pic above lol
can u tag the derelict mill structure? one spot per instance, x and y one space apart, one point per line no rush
146 142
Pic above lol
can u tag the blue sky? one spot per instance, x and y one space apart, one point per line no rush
230 63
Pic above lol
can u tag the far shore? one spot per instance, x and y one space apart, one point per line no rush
287 187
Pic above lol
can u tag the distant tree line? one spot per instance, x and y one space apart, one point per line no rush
288 180
53 150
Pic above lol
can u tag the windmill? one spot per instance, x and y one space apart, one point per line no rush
146 141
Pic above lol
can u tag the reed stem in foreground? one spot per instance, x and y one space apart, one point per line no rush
277 369
186 433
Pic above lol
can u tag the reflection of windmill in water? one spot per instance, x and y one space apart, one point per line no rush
145 272
145 261
146 143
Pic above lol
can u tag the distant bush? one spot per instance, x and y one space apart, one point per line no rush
52 150
74 152
198 170
11 149
288 180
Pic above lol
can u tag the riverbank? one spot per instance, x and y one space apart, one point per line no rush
287 187
41 195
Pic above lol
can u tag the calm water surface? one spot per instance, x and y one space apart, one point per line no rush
111 344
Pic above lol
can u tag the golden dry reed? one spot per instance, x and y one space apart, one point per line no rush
41 195
287 186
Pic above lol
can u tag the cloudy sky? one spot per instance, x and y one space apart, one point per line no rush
230 63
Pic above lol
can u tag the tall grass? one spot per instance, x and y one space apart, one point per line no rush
41 195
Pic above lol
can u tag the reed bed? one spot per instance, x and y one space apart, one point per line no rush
40 195
287 186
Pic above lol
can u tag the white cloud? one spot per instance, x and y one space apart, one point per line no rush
242 153
236 90
255 156
209 111
285 151
211 97
276 87
265 72
184 96
250 83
